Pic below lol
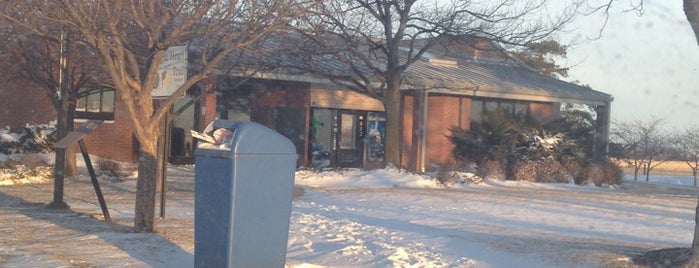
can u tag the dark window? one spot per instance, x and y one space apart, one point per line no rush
477 111
481 107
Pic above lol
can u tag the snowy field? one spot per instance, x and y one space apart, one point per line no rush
381 218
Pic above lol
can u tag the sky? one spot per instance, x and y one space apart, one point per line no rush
648 62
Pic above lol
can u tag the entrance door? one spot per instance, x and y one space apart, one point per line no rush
337 138
350 136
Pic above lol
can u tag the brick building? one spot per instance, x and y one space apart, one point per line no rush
22 104
345 127
349 127
452 85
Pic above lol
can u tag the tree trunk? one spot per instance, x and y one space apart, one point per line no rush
144 220
694 260
393 122
60 157
62 103
71 164
647 171
691 10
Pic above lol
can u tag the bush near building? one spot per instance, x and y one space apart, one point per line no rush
520 149
29 139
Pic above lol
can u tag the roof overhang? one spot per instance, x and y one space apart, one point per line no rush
452 88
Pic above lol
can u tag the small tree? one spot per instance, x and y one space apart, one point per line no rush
643 144
542 57
130 38
687 145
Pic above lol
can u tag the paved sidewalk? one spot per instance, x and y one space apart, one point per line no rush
32 235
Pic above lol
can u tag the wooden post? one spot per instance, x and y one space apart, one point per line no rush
62 125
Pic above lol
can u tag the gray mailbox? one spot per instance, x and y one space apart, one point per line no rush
243 190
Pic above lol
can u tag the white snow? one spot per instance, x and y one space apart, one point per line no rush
389 218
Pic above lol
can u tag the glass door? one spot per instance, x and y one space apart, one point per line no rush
337 138
350 125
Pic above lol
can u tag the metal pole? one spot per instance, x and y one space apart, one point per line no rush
165 152
95 183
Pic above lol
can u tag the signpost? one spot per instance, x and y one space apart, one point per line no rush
77 136
62 124
171 75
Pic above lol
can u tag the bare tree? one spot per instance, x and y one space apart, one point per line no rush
690 7
378 40
45 61
131 37
644 145
687 145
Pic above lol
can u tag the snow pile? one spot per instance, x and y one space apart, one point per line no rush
355 178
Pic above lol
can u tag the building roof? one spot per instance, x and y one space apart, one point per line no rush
498 80
467 76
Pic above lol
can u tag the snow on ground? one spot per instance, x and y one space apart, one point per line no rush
497 224
380 218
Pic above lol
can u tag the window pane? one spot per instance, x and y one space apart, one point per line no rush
491 106
476 111
321 130
81 104
347 131
93 102
521 109
108 101
507 107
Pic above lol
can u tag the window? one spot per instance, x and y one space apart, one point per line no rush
347 134
476 111
95 104
481 107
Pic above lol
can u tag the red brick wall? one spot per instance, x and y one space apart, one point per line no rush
22 104
113 139
207 113
281 93
443 113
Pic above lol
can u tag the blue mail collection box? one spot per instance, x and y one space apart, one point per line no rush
243 191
